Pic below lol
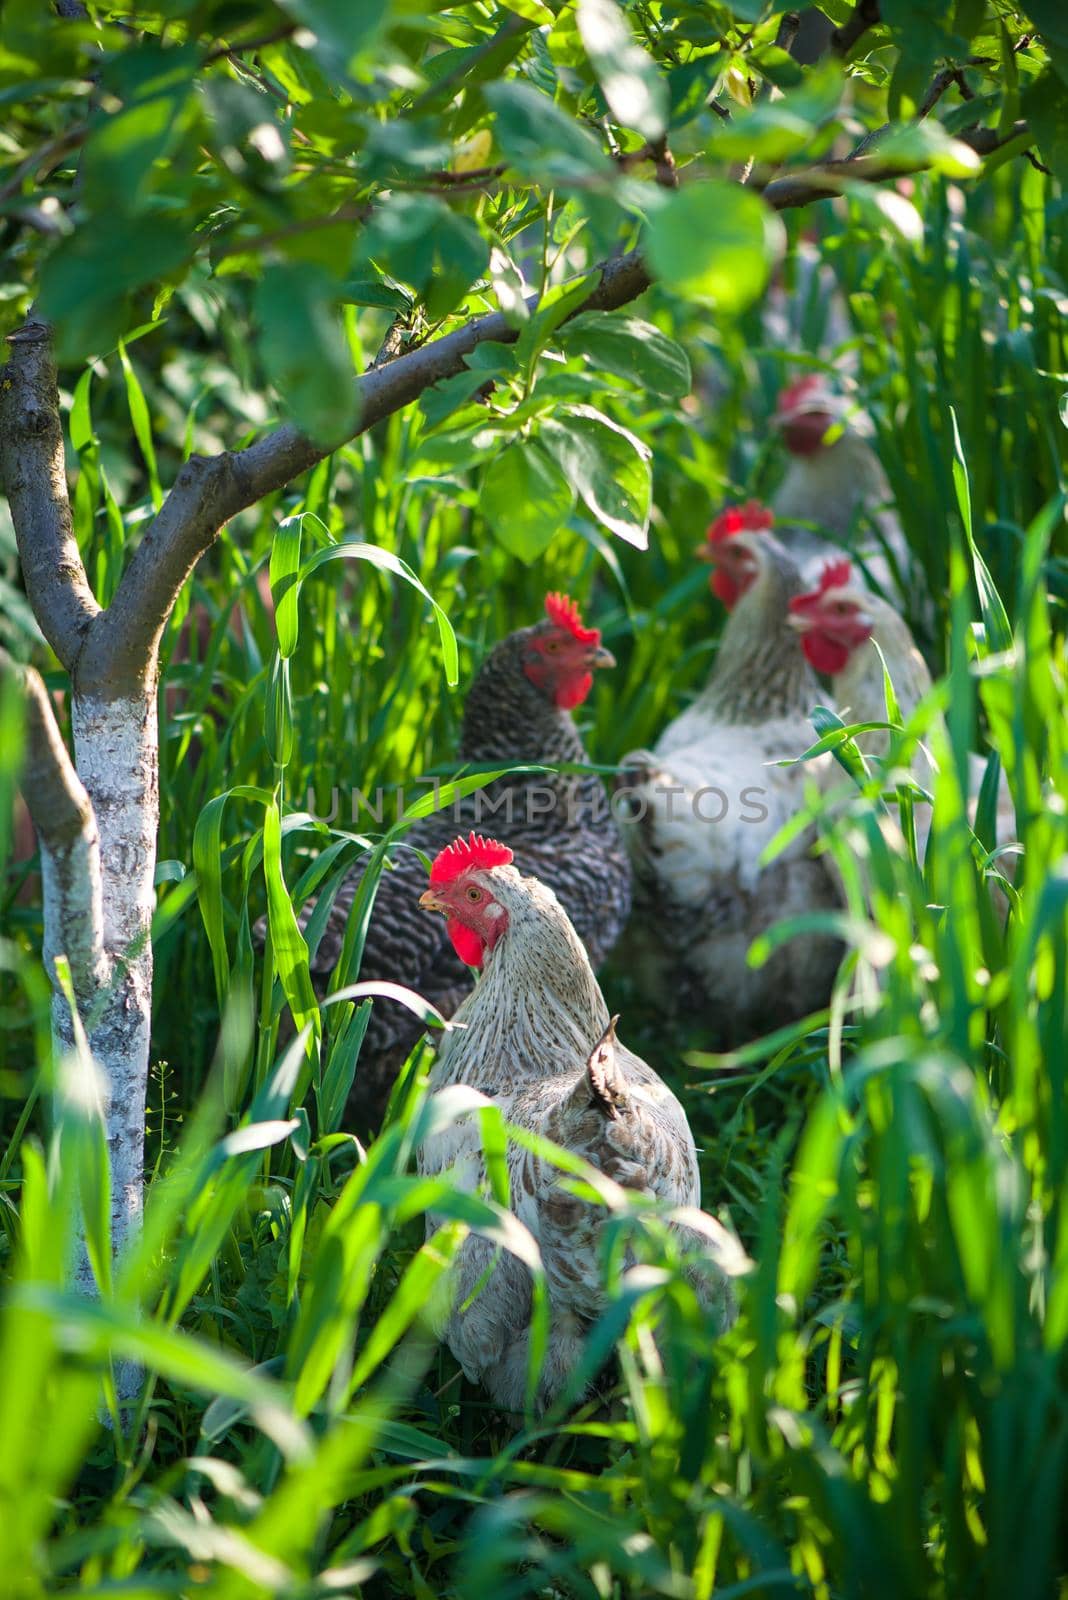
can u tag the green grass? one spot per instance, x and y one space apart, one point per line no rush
889 1417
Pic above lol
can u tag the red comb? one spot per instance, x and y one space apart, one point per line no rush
464 853
835 575
795 395
566 614
733 519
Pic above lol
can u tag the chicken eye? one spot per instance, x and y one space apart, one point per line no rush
551 646
474 895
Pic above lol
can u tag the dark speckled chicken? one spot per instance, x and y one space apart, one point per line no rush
560 827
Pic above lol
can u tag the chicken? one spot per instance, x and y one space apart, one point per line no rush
836 620
839 622
700 810
518 710
837 486
536 1038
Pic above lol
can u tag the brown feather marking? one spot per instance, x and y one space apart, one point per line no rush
607 1084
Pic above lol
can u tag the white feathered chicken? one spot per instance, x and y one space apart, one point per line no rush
535 1036
701 808
840 622
835 482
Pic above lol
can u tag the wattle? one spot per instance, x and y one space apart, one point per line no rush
466 943
573 691
828 656
804 434
724 587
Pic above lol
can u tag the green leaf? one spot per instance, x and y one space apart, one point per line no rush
714 241
290 951
341 30
525 499
926 145
445 397
123 148
1045 106
386 561
769 131
85 281
508 286
995 619
284 565
633 89
610 468
554 307
533 11
885 208
376 291
278 712
542 141
777 66
460 255
419 240
1051 19
305 351
100 1331
142 424
631 349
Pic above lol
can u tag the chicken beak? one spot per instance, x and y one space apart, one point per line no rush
601 657
705 552
430 901
800 621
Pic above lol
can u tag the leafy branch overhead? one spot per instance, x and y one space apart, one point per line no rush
334 179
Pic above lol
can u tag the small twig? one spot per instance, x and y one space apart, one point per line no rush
656 151
1039 166
448 179
39 163
866 15
788 27
229 51
392 345
941 82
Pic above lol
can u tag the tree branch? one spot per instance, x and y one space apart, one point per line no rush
120 653
34 473
825 182
63 816
242 46
865 15
209 490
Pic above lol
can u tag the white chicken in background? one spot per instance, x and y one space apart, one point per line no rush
840 621
698 812
835 482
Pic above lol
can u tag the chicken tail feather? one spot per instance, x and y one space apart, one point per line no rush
608 1087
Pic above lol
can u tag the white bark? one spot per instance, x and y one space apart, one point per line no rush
115 745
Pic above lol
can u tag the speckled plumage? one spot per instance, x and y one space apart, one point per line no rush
559 825
701 890
536 1039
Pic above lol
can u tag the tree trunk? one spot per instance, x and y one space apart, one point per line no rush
116 753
